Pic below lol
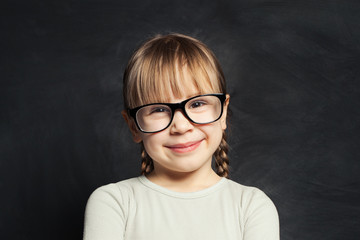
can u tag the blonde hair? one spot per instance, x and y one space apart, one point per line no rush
157 67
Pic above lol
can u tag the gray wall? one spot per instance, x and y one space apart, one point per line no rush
293 74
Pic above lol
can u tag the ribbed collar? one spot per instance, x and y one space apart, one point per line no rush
189 195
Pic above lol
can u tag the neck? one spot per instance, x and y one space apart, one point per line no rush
184 181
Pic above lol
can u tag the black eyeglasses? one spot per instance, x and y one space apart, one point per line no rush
202 109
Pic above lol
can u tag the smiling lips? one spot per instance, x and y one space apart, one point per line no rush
186 147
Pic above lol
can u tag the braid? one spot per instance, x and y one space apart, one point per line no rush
221 158
147 165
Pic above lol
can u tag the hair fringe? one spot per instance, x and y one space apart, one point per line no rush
159 64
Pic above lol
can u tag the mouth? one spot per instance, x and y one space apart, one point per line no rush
185 147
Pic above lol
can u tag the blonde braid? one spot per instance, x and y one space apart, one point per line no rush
147 165
221 158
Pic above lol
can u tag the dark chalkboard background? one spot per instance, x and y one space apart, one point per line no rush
293 74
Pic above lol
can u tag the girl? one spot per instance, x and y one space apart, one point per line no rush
176 106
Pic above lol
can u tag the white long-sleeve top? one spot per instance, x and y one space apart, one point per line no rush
137 209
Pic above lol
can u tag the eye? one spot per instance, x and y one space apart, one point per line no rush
197 104
159 109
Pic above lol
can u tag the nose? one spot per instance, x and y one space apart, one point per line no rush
180 124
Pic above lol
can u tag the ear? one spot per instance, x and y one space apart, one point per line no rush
133 129
224 115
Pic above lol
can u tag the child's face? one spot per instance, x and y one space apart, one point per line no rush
183 146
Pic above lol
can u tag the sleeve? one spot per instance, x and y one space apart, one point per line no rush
105 214
261 218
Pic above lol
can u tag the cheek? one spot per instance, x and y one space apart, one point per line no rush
219 136
152 142
214 134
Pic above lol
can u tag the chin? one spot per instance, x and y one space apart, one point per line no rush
187 168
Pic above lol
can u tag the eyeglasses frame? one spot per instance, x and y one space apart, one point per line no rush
174 106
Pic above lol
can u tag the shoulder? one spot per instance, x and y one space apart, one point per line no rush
252 201
245 193
257 211
121 186
107 210
115 196
119 190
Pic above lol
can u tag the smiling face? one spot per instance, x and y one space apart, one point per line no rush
184 146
